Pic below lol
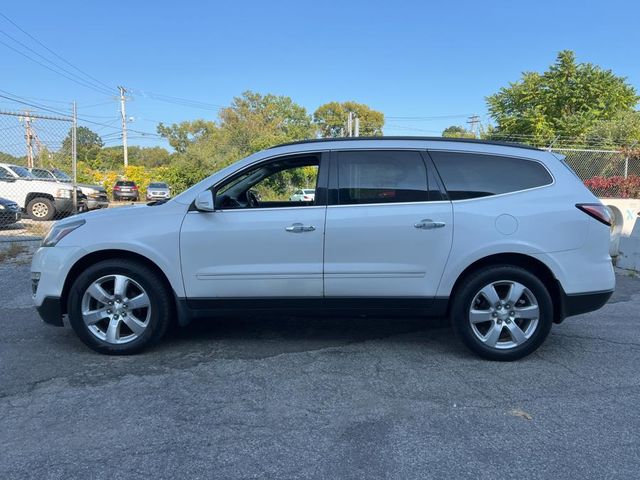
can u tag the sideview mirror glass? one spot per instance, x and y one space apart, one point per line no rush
204 201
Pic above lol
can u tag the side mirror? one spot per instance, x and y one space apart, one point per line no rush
204 201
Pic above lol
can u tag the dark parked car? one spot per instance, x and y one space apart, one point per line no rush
126 190
9 212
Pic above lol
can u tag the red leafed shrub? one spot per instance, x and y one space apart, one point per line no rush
615 187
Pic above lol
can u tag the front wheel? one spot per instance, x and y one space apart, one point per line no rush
119 307
502 312
41 209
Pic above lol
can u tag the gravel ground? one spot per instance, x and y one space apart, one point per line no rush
308 398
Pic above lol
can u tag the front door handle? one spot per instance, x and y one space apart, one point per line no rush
428 224
299 228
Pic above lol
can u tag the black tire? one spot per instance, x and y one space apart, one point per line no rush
160 300
469 288
41 209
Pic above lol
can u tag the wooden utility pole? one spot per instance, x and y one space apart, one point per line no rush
28 135
123 114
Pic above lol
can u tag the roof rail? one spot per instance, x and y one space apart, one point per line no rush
430 139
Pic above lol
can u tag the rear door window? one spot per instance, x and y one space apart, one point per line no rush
473 175
381 176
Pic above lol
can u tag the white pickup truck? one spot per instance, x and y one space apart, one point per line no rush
41 200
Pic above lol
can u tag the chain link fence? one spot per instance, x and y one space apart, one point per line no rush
36 167
608 173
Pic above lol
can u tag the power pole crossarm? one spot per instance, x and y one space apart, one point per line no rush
123 115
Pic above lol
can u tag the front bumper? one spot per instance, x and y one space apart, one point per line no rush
65 204
7 217
50 310
94 204
49 269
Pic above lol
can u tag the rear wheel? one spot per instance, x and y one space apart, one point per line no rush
119 307
41 208
502 312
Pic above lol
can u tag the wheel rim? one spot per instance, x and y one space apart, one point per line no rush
40 209
504 314
116 309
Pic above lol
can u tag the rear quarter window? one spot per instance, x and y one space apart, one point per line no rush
474 175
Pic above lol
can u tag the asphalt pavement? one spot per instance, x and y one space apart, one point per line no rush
335 398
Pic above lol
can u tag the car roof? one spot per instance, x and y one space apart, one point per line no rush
416 138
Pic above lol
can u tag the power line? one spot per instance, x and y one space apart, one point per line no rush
179 100
54 53
79 82
80 79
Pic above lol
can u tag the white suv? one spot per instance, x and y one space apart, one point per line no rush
504 239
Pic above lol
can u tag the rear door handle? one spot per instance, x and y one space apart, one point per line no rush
428 224
299 228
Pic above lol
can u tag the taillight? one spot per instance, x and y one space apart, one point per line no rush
134 188
306 197
597 211
116 187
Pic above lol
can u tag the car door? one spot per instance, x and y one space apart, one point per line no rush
389 229
271 249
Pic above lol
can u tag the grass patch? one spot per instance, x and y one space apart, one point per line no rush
38 229
14 251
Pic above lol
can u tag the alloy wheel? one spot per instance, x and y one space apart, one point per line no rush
504 314
116 309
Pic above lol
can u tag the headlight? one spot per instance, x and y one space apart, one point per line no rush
58 232
63 193
1 207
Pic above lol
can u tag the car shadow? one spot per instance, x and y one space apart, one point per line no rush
260 336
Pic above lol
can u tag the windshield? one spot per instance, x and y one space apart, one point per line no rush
158 185
60 175
308 192
21 171
36 172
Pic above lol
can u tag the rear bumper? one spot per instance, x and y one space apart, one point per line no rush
129 194
578 303
50 310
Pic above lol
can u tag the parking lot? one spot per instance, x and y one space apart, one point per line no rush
317 398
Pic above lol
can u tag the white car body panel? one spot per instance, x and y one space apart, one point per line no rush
375 250
248 253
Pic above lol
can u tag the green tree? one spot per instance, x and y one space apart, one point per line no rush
331 119
622 130
566 100
181 135
254 122
251 123
456 131
88 144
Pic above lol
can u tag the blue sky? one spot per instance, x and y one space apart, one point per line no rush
407 59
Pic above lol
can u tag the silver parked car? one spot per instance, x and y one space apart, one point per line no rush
158 191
